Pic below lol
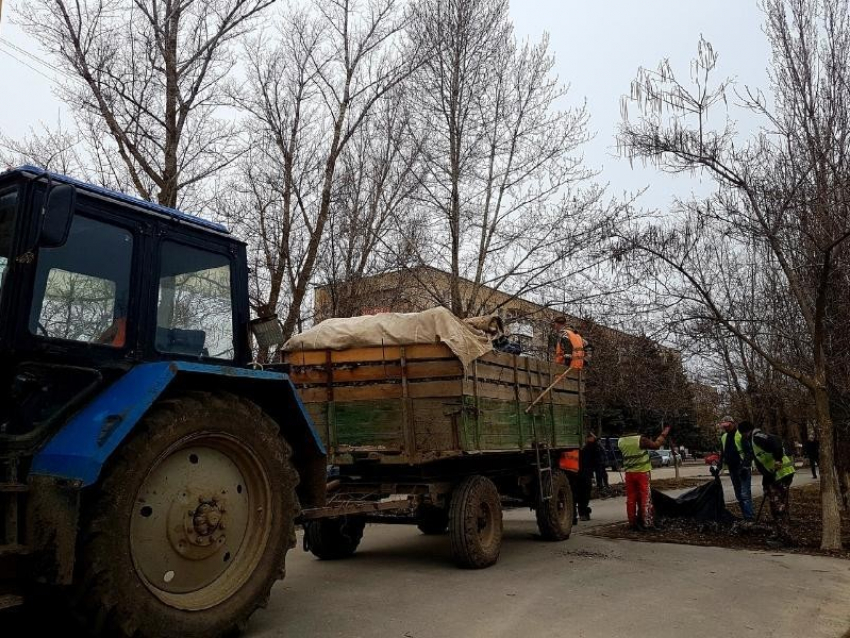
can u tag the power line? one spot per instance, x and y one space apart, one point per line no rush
26 64
31 56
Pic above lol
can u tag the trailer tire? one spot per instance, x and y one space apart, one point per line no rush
334 538
555 516
180 463
475 523
432 520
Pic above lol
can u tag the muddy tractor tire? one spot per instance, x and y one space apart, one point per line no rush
334 538
555 515
188 528
431 520
475 523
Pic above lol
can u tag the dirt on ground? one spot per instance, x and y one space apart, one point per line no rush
613 491
805 529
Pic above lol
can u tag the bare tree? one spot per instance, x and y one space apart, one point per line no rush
504 185
377 187
308 97
147 75
758 258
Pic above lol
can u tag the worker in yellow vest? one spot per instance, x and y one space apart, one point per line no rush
635 449
777 471
738 461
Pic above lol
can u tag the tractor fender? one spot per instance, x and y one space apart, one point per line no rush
81 448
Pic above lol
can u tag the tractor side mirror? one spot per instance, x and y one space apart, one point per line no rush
58 213
267 331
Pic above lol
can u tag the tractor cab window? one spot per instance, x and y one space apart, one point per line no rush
8 201
82 289
195 308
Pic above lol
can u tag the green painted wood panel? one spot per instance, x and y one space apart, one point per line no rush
371 424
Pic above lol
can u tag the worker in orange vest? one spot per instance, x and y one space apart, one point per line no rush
570 346
569 462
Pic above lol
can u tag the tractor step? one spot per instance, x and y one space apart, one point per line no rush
15 488
13 550
7 601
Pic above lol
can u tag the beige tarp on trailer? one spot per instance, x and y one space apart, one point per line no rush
437 325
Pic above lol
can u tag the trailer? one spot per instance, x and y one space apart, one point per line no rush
152 474
414 435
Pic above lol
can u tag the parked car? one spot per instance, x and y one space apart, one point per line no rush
656 459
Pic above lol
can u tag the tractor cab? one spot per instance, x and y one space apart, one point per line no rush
139 453
93 282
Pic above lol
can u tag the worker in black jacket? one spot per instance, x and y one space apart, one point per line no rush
594 459
777 471
586 467
811 449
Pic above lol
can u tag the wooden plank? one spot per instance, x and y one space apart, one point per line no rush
436 389
499 374
506 360
407 409
353 393
373 353
378 391
565 398
331 411
496 391
354 373
550 379
517 408
437 424
534 380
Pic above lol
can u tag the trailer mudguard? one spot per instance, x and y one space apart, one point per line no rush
80 449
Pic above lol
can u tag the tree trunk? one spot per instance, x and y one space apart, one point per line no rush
829 488
168 188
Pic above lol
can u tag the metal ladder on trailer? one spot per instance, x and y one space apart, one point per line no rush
543 462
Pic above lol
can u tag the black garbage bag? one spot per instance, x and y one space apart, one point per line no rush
704 503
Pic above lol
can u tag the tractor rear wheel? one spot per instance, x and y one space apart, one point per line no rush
555 515
475 523
334 538
188 529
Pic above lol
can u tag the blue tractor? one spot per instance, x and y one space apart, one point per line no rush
148 473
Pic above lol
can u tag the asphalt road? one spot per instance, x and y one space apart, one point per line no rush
402 584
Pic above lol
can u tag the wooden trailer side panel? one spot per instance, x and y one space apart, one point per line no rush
415 404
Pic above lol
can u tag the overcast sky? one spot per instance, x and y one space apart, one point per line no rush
598 47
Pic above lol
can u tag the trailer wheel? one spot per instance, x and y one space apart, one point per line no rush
555 515
334 538
189 527
432 520
475 523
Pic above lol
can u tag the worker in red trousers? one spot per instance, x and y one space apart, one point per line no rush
635 449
